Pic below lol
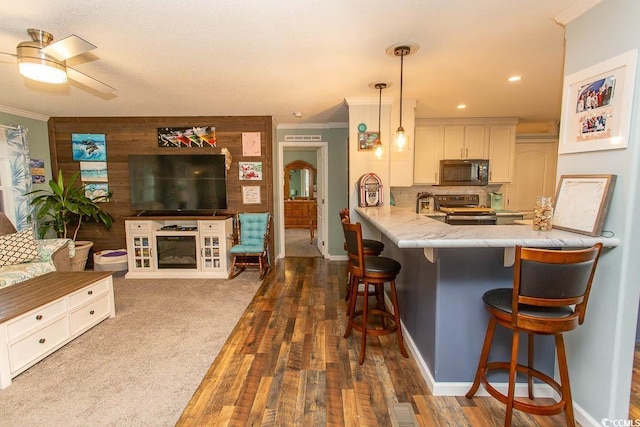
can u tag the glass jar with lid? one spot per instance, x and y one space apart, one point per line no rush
543 214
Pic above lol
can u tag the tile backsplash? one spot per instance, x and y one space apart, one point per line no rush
405 197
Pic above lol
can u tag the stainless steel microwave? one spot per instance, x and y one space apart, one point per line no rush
464 172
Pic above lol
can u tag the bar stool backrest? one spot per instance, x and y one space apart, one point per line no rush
344 215
554 278
353 239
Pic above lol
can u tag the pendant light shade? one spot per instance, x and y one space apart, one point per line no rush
401 140
378 148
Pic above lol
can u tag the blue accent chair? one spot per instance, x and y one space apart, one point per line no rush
250 243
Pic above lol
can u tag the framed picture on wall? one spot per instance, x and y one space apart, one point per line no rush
596 106
582 203
251 195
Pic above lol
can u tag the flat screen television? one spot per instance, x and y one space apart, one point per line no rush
184 183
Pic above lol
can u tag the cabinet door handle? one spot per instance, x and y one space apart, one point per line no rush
41 340
39 317
461 152
92 312
466 153
90 293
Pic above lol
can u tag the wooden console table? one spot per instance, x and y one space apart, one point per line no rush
40 315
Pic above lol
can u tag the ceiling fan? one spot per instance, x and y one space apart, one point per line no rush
41 60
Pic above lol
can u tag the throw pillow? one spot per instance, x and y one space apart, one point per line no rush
17 248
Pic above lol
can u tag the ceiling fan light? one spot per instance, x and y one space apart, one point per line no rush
35 65
42 71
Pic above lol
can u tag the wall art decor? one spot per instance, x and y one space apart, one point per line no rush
251 195
250 171
89 147
36 167
97 191
582 203
93 171
187 137
366 140
251 144
227 157
596 106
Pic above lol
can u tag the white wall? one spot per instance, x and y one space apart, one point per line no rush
601 351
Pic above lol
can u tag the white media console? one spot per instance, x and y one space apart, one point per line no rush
178 246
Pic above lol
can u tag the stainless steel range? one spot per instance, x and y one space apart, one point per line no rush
464 209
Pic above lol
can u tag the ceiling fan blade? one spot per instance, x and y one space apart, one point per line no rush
89 81
8 57
68 47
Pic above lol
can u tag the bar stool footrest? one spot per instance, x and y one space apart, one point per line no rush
551 409
374 331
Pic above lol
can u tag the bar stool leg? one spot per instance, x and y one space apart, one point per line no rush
365 310
512 378
564 378
530 365
350 285
379 291
352 308
396 318
484 356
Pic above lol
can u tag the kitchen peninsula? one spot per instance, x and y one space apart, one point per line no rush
445 270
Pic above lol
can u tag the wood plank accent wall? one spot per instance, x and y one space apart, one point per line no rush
139 135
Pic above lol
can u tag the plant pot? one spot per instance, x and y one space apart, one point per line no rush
79 260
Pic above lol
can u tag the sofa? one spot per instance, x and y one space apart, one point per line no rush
23 257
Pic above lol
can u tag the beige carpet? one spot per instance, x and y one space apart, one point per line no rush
297 243
139 368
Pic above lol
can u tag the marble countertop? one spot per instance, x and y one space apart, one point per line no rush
408 229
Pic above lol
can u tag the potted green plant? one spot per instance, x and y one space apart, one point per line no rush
64 208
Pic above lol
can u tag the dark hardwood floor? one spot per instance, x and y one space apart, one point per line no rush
286 363
634 402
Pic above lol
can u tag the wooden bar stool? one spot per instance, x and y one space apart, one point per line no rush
549 297
371 271
370 247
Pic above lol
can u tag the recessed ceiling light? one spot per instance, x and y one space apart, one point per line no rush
515 78
297 114
461 107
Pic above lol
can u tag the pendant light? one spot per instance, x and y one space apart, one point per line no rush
401 140
378 148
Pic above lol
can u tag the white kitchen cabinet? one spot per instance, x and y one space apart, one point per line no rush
428 151
465 142
534 175
502 148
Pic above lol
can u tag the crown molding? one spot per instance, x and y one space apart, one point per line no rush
22 113
574 11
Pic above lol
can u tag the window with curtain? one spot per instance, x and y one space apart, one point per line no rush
15 176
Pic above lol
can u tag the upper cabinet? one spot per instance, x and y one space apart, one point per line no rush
465 142
438 139
502 148
429 148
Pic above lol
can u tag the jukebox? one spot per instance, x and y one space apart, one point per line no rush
370 190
